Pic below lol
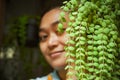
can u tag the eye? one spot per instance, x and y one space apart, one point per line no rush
43 37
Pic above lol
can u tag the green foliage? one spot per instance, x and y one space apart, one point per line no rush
17 30
94 39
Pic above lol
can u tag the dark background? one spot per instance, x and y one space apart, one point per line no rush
27 61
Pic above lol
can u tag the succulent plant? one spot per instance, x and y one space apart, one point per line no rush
94 40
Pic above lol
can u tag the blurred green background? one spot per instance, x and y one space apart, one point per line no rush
20 57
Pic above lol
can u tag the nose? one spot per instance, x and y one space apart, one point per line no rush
53 41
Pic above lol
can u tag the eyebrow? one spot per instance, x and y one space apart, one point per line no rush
54 23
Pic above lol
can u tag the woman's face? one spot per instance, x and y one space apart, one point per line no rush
52 42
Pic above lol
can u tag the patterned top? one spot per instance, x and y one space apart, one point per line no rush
52 76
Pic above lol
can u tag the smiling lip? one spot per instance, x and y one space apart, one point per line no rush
56 53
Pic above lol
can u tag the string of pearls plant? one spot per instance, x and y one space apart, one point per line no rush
93 48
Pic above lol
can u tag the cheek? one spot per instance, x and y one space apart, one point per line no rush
42 48
64 37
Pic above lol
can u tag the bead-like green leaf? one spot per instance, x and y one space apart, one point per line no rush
70 60
104 71
91 29
106 30
95 52
71 42
65 8
82 28
102 66
77 27
69 54
79 62
95 37
82 38
97 78
110 61
105 37
60 25
70 73
103 24
111 56
90 58
77 44
115 37
72 34
82 32
68 67
100 36
89 53
90 36
77 33
112 44
101 53
83 23
101 47
81 9
79 55
90 47
74 13
71 48
97 26
72 18
62 14
81 67
102 59
80 50
68 29
95 59
104 42
89 64
95 64
90 42
82 54
91 69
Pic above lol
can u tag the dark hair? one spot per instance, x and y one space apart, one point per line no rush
57 4
56 7
53 6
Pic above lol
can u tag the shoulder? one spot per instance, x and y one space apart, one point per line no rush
53 74
40 78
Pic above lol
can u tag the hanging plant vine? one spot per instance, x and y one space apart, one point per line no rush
94 42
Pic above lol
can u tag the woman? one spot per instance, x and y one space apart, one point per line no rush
52 44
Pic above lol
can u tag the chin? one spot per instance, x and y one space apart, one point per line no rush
58 63
59 66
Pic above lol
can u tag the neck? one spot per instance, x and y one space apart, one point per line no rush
62 74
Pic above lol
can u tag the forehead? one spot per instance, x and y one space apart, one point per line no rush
50 17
